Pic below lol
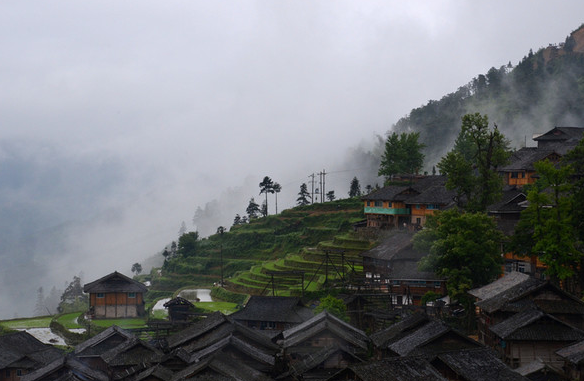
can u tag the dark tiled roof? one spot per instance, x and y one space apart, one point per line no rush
573 353
538 366
436 194
479 364
397 369
508 294
178 301
227 371
419 337
500 285
318 357
19 345
383 338
319 323
399 241
565 134
524 158
509 202
131 352
73 370
405 192
408 270
273 308
197 329
114 282
103 341
535 325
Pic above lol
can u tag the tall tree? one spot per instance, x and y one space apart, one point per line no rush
252 209
137 268
277 189
330 195
403 154
355 188
463 247
303 195
188 244
266 186
471 167
547 225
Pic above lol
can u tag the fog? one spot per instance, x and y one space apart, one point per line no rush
119 119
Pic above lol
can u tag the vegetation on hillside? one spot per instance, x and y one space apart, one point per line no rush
545 89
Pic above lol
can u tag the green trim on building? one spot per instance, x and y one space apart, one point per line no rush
377 210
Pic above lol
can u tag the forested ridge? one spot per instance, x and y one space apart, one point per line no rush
544 90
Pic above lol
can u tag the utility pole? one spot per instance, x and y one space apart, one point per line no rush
322 184
312 188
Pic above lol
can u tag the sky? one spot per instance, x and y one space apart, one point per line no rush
119 118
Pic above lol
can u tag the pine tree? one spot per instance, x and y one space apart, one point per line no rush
355 189
303 195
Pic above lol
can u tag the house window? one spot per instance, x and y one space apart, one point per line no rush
514 175
7 373
522 175
378 203
389 204
19 372
368 275
417 206
100 295
131 294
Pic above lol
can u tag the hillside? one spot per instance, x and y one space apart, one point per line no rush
301 233
544 90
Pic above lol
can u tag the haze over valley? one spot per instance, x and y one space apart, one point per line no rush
119 120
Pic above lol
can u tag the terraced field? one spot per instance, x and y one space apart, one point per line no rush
310 269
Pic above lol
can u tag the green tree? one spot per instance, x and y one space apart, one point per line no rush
547 225
266 186
355 188
330 195
303 195
277 188
137 268
472 166
333 306
252 209
464 247
403 154
188 244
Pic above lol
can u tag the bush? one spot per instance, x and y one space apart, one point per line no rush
228 296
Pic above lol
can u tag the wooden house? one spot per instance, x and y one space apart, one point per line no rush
391 206
130 357
532 334
417 335
115 296
393 266
561 139
321 346
521 170
573 357
218 335
275 313
503 299
179 309
90 351
21 353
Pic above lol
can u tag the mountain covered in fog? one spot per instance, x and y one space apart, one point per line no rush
63 211
544 90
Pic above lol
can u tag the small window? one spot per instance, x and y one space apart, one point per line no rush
7 373
131 294
417 206
514 175
378 204
100 295
19 372
389 205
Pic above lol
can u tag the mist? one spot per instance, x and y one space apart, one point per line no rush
119 119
